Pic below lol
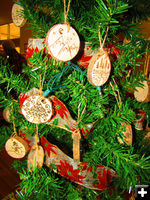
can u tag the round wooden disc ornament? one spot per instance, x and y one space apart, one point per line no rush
35 157
99 68
16 147
37 109
62 42
142 94
18 15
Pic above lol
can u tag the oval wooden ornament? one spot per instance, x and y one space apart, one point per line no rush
127 134
6 115
62 42
37 109
16 147
143 93
35 157
99 68
17 15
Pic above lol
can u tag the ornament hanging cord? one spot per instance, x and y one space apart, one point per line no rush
146 64
76 136
118 98
66 10
14 127
42 81
100 40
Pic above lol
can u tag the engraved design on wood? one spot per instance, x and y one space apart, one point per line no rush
99 68
62 42
18 15
142 94
37 109
16 147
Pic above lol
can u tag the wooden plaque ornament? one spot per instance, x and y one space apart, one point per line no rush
35 157
6 115
127 134
16 147
37 109
142 94
99 68
62 42
17 15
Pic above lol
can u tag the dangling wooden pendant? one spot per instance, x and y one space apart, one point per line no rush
142 94
99 68
37 109
17 15
35 157
62 42
127 134
6 115
16 147
76 136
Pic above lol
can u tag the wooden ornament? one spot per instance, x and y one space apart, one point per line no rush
37 109
142 94
6 115
62 42
35 157
127 134
17 15
99 68
16 147
76 136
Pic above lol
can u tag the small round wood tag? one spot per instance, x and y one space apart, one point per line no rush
62 42
37 109
18 15
99 68
143 93
16 147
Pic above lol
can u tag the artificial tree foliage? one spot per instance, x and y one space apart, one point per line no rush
87 104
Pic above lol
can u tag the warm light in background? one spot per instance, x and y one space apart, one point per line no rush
10 31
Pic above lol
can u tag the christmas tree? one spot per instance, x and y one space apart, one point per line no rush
74 107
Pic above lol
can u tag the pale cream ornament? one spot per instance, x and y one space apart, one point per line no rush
142 94
16 147
35 157
99 68
62 42
37 109
17 14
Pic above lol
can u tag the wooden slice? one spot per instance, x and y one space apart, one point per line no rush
35 157
6 115
16 147
99 68
62 42
143 93
37 109
127 134
18 15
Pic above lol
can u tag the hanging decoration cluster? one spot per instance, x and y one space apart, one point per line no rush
63 44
